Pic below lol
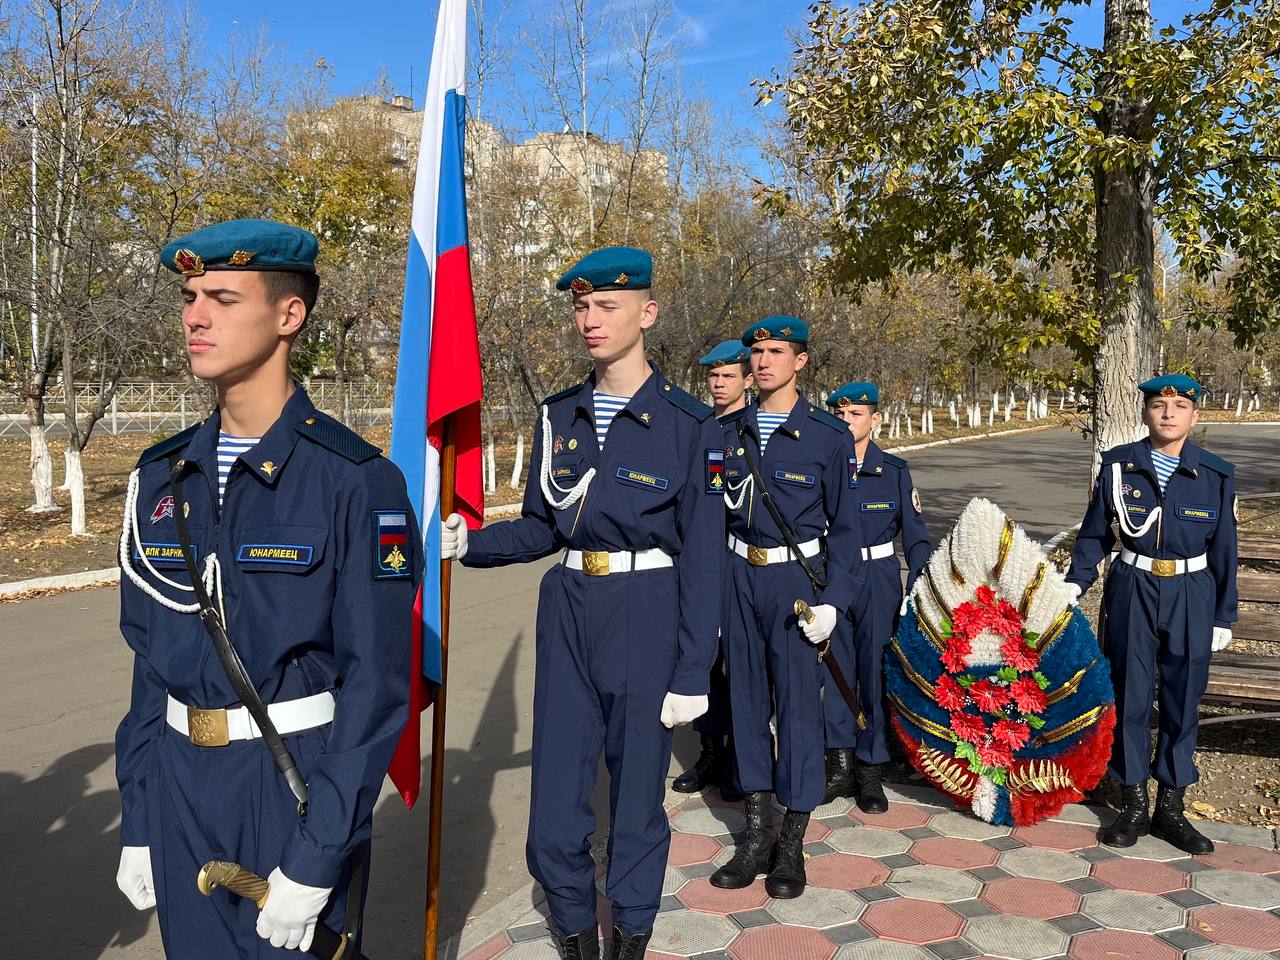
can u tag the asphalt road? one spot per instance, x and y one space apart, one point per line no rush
66 682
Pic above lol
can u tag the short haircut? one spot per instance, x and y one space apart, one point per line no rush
799 346
282 284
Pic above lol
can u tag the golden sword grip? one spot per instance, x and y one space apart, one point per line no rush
233 877
802 610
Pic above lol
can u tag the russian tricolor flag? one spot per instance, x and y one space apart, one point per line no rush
438 375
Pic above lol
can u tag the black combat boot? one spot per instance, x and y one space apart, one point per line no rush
708 771
839 773
787 880
1133 820
628 946
580 946
1170 822
755 853
871 798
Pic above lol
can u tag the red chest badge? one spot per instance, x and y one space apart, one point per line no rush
163 509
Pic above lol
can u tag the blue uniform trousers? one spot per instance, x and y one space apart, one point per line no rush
773 669
860 653
1158 636
717 721
222 803
606 652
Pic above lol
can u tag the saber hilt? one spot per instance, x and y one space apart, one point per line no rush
805 613
235 878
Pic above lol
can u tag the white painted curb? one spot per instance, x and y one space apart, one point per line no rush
66 581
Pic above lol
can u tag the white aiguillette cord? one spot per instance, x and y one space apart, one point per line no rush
548 483
1122 515
212 574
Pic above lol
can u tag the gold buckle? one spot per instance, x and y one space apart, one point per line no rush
207 728
757 556
1164 568
595 563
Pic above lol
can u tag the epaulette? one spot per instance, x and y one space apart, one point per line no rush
562 395
830 419
893 461
1214 462
686 402
342 440
733 416
1115 454
168 445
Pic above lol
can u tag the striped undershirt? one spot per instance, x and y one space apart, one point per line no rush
229 449
606 408
769 422
1165 465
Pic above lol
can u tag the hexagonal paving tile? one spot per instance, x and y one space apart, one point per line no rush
686 932
816 832
934 883
836 808
672 881
1149 848
884 950
701 895
1235 856
687 848
1238 889
843 871
1138 912
1054 835
709 821
868 841
1043 864
818 907
1017 938
966 825
1038 899
777 940
1141 876
1237 927
953 852
899 816
912 921
1111 944
1216 951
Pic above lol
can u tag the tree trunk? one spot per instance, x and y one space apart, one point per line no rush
41 462
75 483
517 468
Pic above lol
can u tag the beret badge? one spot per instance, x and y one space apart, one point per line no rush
581 285
188 263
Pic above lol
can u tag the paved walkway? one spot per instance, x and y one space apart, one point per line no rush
923 882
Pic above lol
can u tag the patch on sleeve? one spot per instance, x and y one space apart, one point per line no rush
715 471
915 500
853 473
1235 508
392 549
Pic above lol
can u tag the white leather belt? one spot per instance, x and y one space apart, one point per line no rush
1164 568
763 556
218 727
601 563
878 551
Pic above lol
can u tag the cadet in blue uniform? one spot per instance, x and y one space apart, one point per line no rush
805 459
728 379
1168 601
306 542
623 483
889 507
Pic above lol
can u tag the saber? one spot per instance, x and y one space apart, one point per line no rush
325 944
803 611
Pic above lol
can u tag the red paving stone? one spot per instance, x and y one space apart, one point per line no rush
687 848
900 816
656 955
816 832
844 871
1142 876
701 895
1057 836
954 852
1235 856
1038 899
490 949
912 921
1115 944
1237 927
782 942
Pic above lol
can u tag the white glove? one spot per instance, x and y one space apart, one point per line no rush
1075 594
288 918
902 610
678 709
1221 637
134 877
824 622
453 537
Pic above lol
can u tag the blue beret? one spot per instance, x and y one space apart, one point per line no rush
1171 385
242 245
777 328
861 391
609 268
730 351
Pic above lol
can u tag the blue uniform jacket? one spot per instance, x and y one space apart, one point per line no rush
651 489
810 469
315 600
888 505
1198 516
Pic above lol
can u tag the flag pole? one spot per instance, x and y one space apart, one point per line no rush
448 480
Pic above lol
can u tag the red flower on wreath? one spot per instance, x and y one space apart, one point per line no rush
986 612
1028 695
995 754
968 727
1015 652
950 694
988 697
1012 733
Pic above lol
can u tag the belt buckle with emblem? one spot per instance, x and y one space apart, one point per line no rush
757 556
595 563
1164 568
207 728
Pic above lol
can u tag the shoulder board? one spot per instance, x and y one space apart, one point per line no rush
562 395
830 419
168 445
1122 452
732 418
342 440
1215 462
893 461
686 402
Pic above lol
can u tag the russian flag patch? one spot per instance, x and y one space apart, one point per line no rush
392 549
715 471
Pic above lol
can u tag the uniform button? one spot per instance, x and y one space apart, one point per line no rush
667 387
309 421
180 464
